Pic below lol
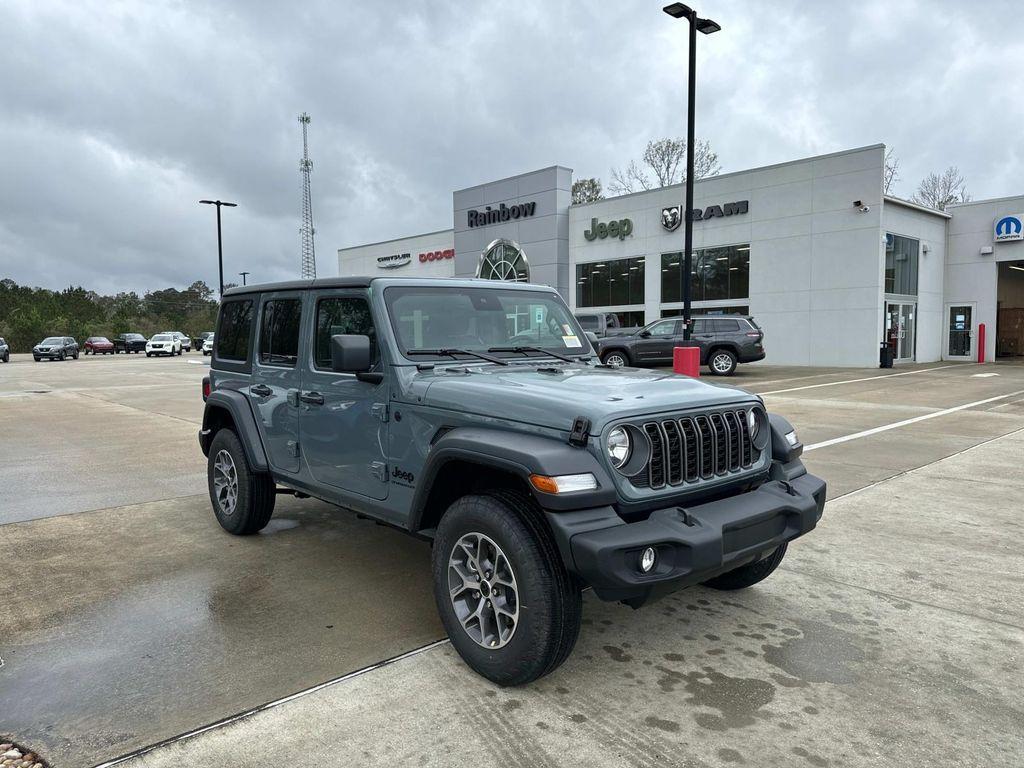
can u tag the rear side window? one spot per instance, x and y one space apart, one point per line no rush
279 332
588 322
234 330
726 326
343 315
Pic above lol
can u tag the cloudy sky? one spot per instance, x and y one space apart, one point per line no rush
116 118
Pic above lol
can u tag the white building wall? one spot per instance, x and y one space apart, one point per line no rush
423 250
929 229
972 276
815 259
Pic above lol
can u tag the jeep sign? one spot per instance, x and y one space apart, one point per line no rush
599 231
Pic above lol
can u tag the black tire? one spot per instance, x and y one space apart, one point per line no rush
74 355
149 354
612 356
35 358
256 492
548 596
722 362
748 575
62 357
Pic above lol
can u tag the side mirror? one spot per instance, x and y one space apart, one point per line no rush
591 337
644 334
350 353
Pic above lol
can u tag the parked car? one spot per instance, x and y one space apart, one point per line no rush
602 324
129 342
184 342
208 345
55 348
197 342
724 342
98 345
5 351
163 344
535 471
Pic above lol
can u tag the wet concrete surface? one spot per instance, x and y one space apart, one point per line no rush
133 618
824 664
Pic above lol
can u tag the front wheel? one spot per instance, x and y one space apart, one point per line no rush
149 354
616 358
748 575
722 362
511 609
243 500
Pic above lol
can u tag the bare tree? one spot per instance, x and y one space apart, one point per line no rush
586 191
891 173
940 190
664 163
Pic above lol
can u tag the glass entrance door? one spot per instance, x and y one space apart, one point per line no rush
961 331
901 329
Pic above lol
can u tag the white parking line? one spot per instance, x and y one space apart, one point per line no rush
905 422
854 381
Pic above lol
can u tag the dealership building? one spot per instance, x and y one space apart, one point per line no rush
828 265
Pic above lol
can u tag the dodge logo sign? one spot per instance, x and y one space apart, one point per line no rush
672 217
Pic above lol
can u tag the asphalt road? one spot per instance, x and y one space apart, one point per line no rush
892 635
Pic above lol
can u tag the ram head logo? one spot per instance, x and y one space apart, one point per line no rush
671 217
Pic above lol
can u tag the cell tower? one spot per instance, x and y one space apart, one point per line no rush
307 231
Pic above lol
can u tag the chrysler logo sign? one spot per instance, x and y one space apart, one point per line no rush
672 216
393 261
500 214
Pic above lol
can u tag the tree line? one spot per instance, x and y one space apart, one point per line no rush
28 315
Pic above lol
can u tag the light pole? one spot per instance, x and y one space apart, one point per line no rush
243 274
706 26
220 247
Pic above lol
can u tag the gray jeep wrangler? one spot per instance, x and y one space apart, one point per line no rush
476 415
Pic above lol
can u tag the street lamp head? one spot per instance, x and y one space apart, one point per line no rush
678 11
235 205
206 202
707 26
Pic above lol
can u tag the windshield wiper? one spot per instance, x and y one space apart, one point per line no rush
524 350
452 352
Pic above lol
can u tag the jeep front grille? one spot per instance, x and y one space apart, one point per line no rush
692 449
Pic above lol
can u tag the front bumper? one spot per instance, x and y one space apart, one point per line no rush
693 543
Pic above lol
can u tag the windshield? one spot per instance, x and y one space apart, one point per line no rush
100 339
161 337
52 340
482 319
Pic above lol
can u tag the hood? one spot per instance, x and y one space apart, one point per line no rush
554 396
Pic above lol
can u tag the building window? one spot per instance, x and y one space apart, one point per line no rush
901 264
504 260
615 283
718 274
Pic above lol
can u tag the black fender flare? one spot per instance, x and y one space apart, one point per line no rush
521 455
237 405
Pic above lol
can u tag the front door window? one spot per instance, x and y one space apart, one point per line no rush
960 330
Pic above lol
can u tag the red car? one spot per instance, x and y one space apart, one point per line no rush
98 345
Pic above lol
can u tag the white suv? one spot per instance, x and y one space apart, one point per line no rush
208 345
163 344
184 342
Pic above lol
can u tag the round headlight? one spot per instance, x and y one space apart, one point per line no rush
753 425
618 446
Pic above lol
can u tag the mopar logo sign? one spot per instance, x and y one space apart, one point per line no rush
1009 228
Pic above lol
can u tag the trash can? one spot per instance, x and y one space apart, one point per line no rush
885 355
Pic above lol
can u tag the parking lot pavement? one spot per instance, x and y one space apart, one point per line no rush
135 619
891 637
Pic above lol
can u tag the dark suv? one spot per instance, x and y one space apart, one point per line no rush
473 413
55 348
5 351
724 342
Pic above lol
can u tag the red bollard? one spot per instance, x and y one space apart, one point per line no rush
686 360
981 342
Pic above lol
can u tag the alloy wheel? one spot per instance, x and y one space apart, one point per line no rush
483 590
615 360
722 363
225 482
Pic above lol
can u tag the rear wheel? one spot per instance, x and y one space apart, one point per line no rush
511 609
616 358
243 500
748 575
722 362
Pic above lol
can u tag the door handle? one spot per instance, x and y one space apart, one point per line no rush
313 398
261 390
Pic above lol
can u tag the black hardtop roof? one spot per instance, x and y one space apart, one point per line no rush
364 282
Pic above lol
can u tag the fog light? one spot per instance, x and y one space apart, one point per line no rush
647 560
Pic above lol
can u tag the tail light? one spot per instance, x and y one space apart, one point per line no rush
755 334
206 388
